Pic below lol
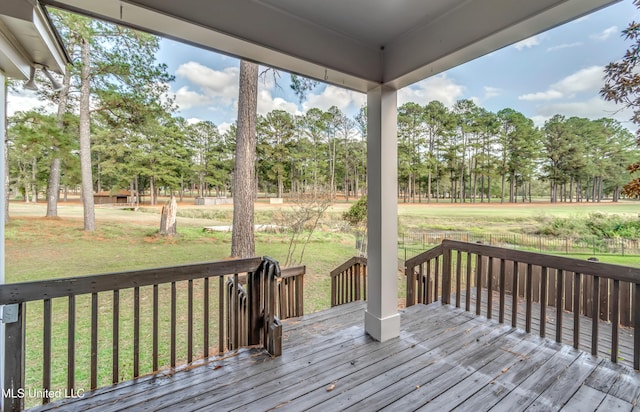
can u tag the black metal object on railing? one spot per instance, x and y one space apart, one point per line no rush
583 288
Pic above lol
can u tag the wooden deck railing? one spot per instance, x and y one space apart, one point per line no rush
103 329
463 269
349 281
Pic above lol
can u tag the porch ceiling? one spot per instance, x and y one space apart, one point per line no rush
357 44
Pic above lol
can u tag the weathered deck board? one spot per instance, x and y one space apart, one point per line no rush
445 358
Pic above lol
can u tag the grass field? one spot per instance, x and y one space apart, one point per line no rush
39 248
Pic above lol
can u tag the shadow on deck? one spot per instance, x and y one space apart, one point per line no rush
444 359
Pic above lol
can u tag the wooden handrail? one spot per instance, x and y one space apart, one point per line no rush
594 289
346 265
606 270
11 293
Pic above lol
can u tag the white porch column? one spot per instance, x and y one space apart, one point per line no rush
382 320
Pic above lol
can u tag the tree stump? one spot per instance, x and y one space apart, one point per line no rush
168 218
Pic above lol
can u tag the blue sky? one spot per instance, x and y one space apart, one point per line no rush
556 72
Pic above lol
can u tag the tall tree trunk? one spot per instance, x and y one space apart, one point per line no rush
34 177
571 190
85 139
152 190
244 193
53 186
429 187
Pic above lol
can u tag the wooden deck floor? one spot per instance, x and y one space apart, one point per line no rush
445 359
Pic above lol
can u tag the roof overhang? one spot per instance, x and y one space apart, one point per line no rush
28 38
357 44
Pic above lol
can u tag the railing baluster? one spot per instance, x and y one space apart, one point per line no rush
334 290
71 339
636 327
436 279
221 314
426 283
468 294
205 315
577 278
543 301
190 321
14 361
503 287
615 320
529 297
364 283
172 355
343 291
154 343
136 332
595 315
478 284
94 341
458 277
514 296
300 292
358 285
235 312
490 288
115 341
559 297
446 277
352 285
46 350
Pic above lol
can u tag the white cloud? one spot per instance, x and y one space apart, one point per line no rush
548 95
186 99
224 127
490 92
564 46
334 96
605 34
193 120
440 87
218 85
584 80
588 79
267 103
594 108
527 43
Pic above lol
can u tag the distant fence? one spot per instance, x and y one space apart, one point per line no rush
413 243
